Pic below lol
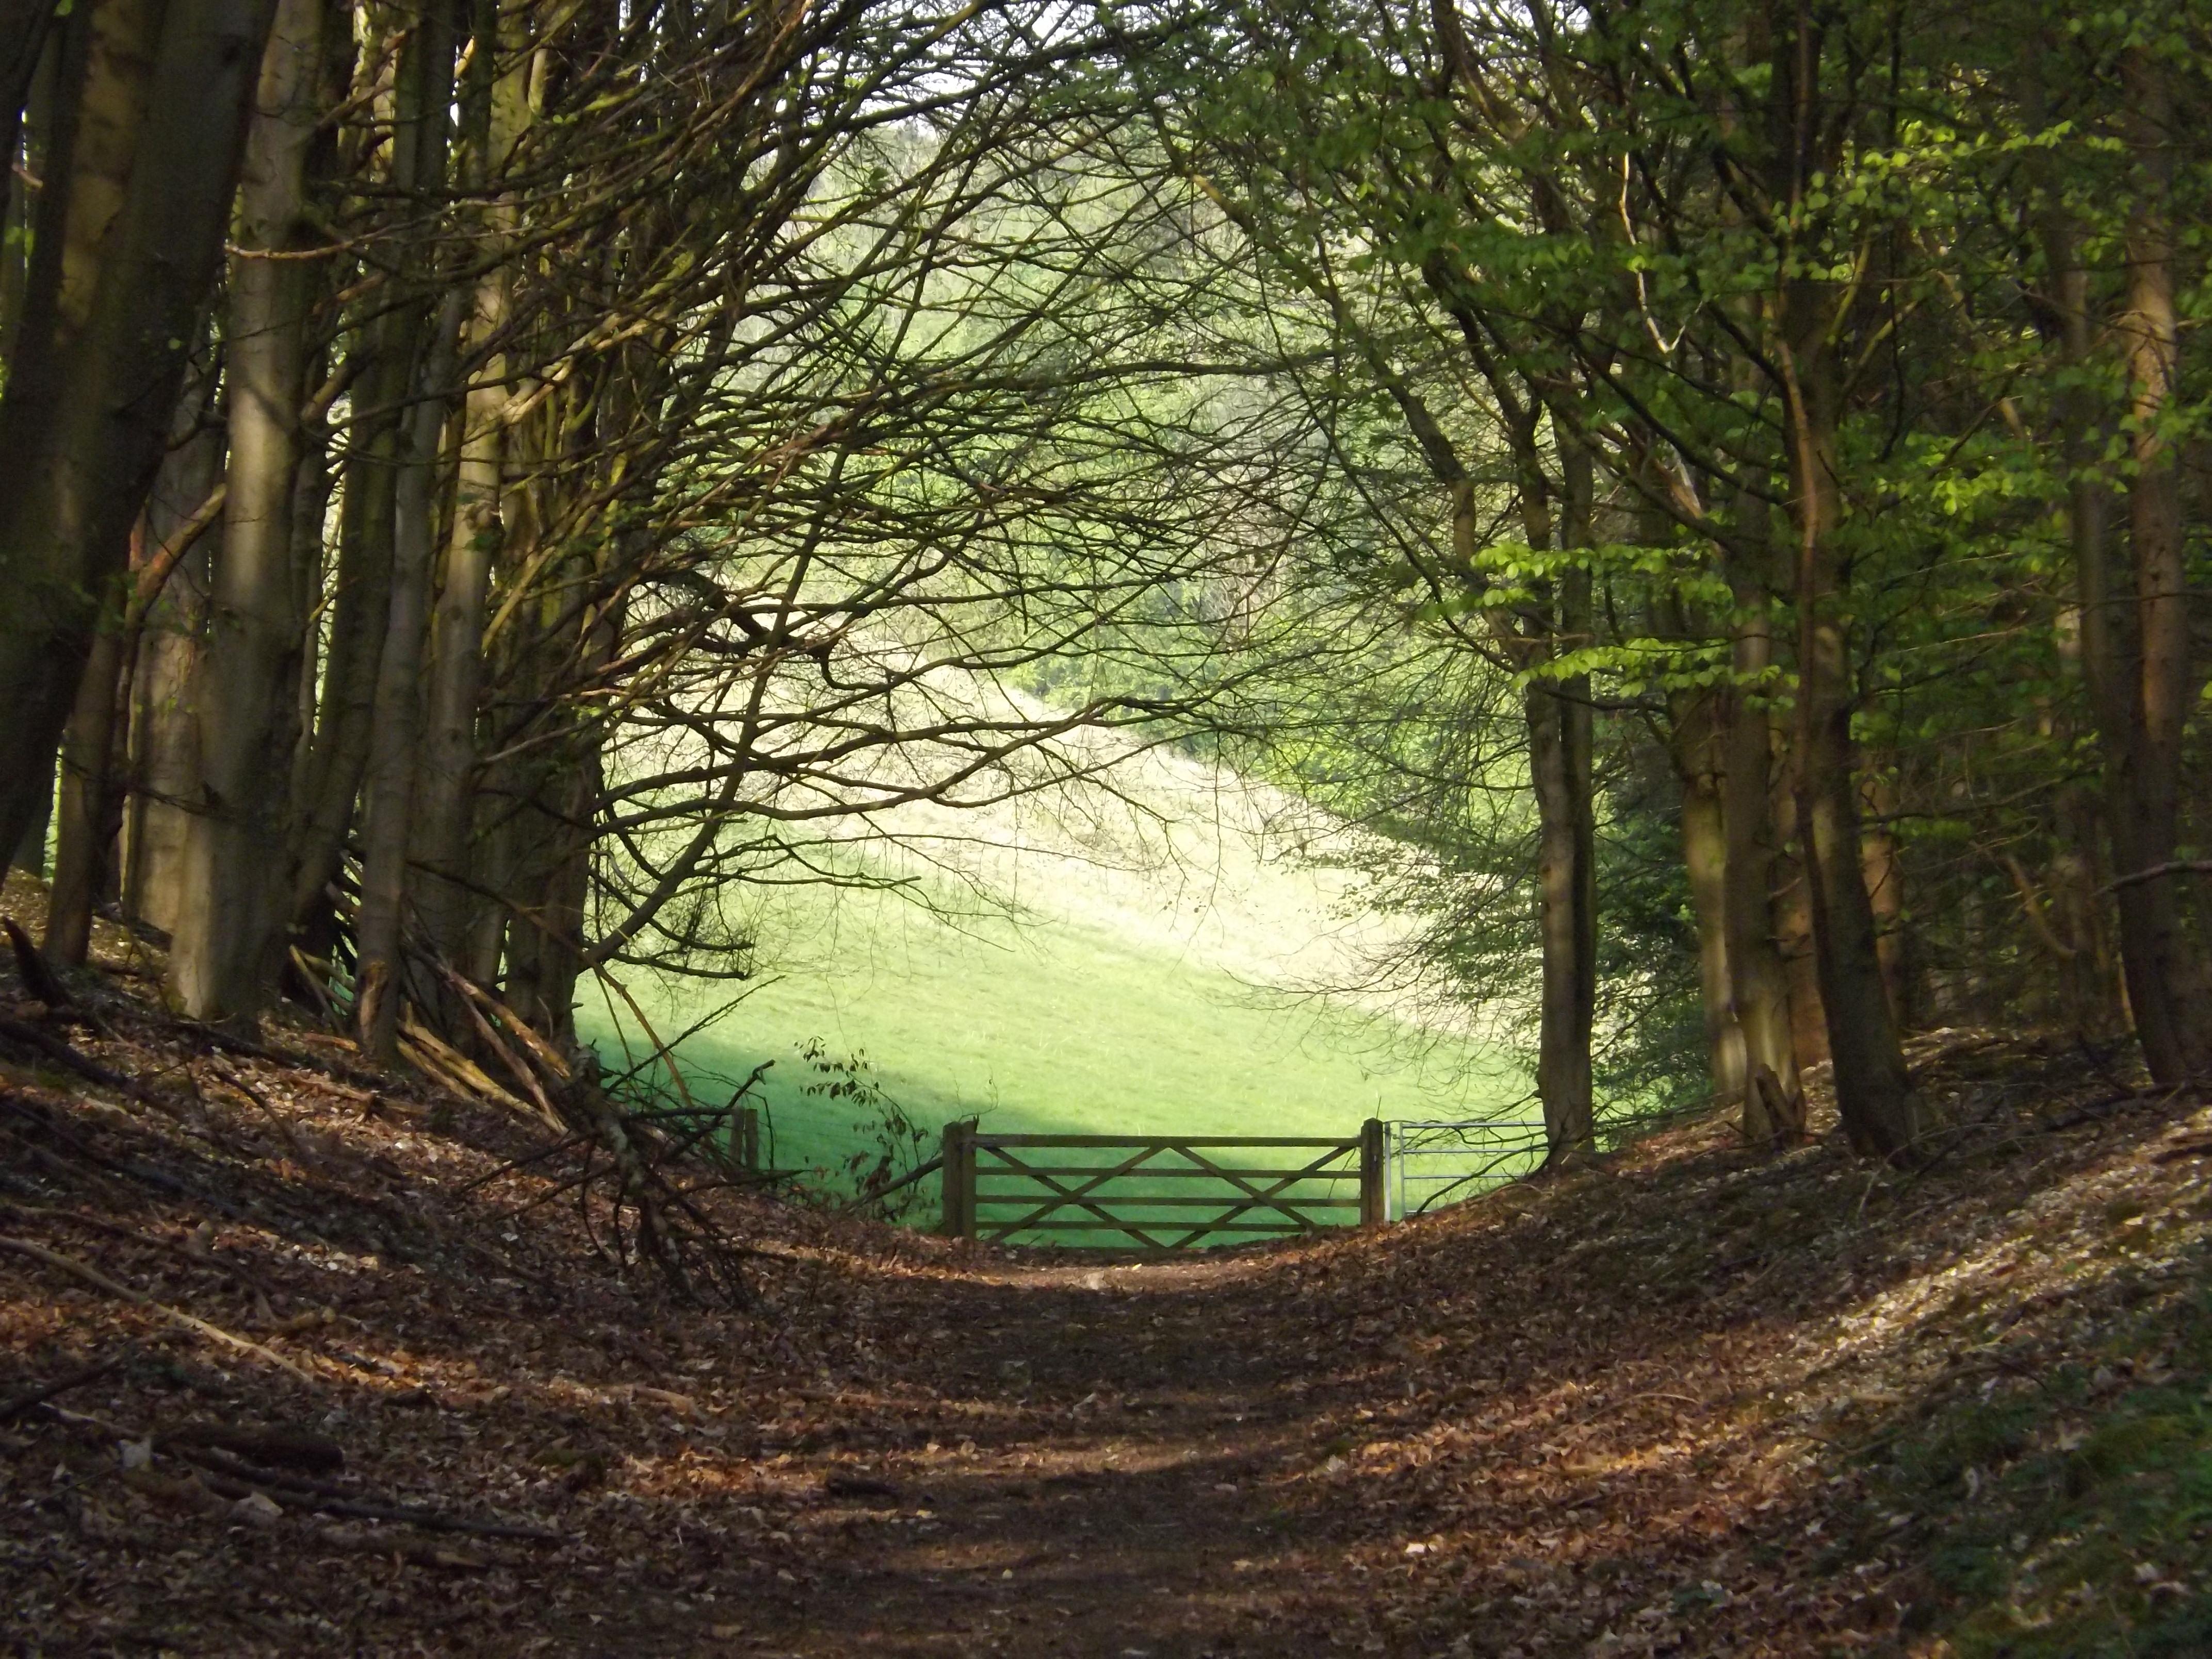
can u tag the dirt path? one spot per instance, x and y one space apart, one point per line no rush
1102 1486
1641 1411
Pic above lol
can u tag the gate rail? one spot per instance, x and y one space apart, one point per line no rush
1448 1161
1084 1198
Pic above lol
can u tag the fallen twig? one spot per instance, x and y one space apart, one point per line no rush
45 1042
99 1281
152 1178
522 1163
372 1509
17 1405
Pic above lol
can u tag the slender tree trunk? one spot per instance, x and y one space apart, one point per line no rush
388 799
1696 744
2101 646
89 799
223 962
1882 1114
360 615
426 78
85 413
1560 759
1882 869
164 769
445 827
545 930
377 515
2166 982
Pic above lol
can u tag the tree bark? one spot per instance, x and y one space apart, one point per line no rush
223 961
389 410
1882 1115
445 825
165 762
338 756
1758 978
86 413
90 804
388 789
2166 982
1882 869
1559 761
1696 744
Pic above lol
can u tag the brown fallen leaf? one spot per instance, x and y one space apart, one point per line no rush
174 1492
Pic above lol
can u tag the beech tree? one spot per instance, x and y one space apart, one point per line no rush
492 481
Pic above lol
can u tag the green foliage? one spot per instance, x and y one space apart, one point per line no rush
1649 1056
892 1143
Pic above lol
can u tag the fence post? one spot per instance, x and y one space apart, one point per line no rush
959 1177
1374 1191
748 1138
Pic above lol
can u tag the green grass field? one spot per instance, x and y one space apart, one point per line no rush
1054 1024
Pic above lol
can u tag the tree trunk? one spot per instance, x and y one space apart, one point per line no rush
1559 761
545 929
2166 982
223 964
228 943
389 409
338 756
89 810
1758 979
86 413
2101 645
1696 746
1882 870
164 769
420 148
388 793
1882 1115
446 790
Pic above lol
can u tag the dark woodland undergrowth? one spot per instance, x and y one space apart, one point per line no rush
337 1381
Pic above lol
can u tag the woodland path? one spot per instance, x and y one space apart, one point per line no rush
1655 1407
1103 1492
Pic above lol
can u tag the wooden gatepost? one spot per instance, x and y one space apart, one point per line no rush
1145 1190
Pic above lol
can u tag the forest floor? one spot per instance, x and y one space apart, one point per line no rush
1694 1400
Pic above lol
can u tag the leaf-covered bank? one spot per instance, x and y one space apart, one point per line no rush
328 1365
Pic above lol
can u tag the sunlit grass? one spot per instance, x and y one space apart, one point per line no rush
1048 1025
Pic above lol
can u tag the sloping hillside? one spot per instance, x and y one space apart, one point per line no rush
1214 932
294 1358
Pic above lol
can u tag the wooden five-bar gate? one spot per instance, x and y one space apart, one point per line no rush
1139 1189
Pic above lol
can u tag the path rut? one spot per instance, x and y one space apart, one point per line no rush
1098 1477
